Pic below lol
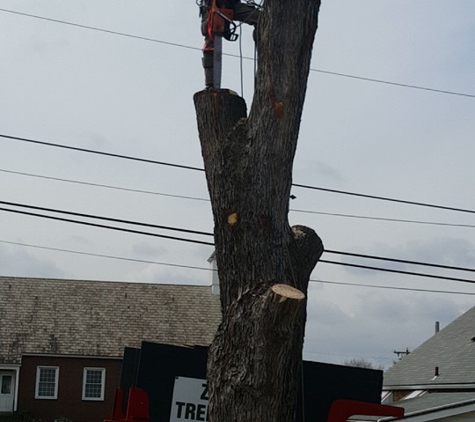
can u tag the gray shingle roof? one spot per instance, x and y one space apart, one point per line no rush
97 318
451 350
431 401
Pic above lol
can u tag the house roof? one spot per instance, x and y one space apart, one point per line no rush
97 318
434 401
451 350
444 405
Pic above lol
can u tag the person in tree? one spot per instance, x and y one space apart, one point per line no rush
247 13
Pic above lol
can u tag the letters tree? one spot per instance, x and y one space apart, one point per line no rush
264 265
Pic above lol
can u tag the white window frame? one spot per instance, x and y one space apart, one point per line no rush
56 381
103 383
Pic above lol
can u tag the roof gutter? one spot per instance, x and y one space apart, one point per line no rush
444 411
441 386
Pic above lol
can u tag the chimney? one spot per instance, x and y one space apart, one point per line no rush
214 274
437 326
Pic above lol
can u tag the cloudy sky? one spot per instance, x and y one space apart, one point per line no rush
132 96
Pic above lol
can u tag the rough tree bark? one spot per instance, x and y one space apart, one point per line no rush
264 265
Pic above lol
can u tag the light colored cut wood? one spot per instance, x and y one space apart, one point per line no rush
287 292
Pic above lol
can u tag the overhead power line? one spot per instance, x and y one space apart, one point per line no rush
143 261
102 226
389 270
121 229
327 72
163 163
401 261
194 198
91 151
102 218
99 185
393 220
96 255
380 81
410 289
203 233
95 28
384 198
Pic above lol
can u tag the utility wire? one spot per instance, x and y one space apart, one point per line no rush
143 261
127 157
80 182
410 289
380 81
97 217
384 198
85 223
388 270
394 220
91 151
123 34
402 261
202 233
212 244
194 198
94 28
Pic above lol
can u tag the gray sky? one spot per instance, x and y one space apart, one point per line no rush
101 91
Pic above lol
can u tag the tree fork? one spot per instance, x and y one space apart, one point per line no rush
264 265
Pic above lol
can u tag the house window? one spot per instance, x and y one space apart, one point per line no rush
46 382
93 384
6 384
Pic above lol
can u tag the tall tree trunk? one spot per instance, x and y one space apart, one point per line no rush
263 264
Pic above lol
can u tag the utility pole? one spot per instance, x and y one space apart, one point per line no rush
401 354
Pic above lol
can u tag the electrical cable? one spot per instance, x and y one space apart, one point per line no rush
384 198
96 255
402 261
121 229
388 270
123 34
143 261
108 154
114 220
394 220
94 28
194 198
410 289
212 244
79 182
127 157
380 81
202 233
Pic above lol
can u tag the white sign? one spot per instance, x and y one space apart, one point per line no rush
190 400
